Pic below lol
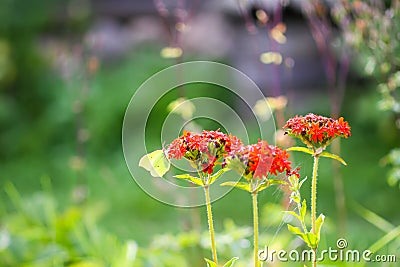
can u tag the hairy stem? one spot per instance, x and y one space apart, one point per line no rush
210 223
255 226
314 201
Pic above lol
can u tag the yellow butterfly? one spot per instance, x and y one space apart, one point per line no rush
155 162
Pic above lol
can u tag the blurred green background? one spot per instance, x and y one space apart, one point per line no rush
67 72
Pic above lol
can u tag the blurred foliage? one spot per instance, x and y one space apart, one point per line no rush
24 75
37 232
393 160
372 29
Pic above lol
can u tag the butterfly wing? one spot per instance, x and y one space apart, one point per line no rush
155 162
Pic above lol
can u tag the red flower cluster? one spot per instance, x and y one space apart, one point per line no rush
203 149
281 163
259 160
317 131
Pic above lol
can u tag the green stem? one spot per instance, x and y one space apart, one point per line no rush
314 201
255 226
210 223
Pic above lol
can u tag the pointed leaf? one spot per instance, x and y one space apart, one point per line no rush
190 178
240 185
295 230
295 197
217 175
302 181
230 262
333 156
303 210
276 181
210 263
268 183
262 186
293 182
311 240
318 225
301 149
294 214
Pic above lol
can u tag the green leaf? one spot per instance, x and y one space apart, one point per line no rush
215 176
301 149
190 178
230 262
295 197
303 210
240 185
262 186
318 225
276 181
295 230
333 156
322 154
293 214
210 263
293 182
302 181
309 238
156 163
268 183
